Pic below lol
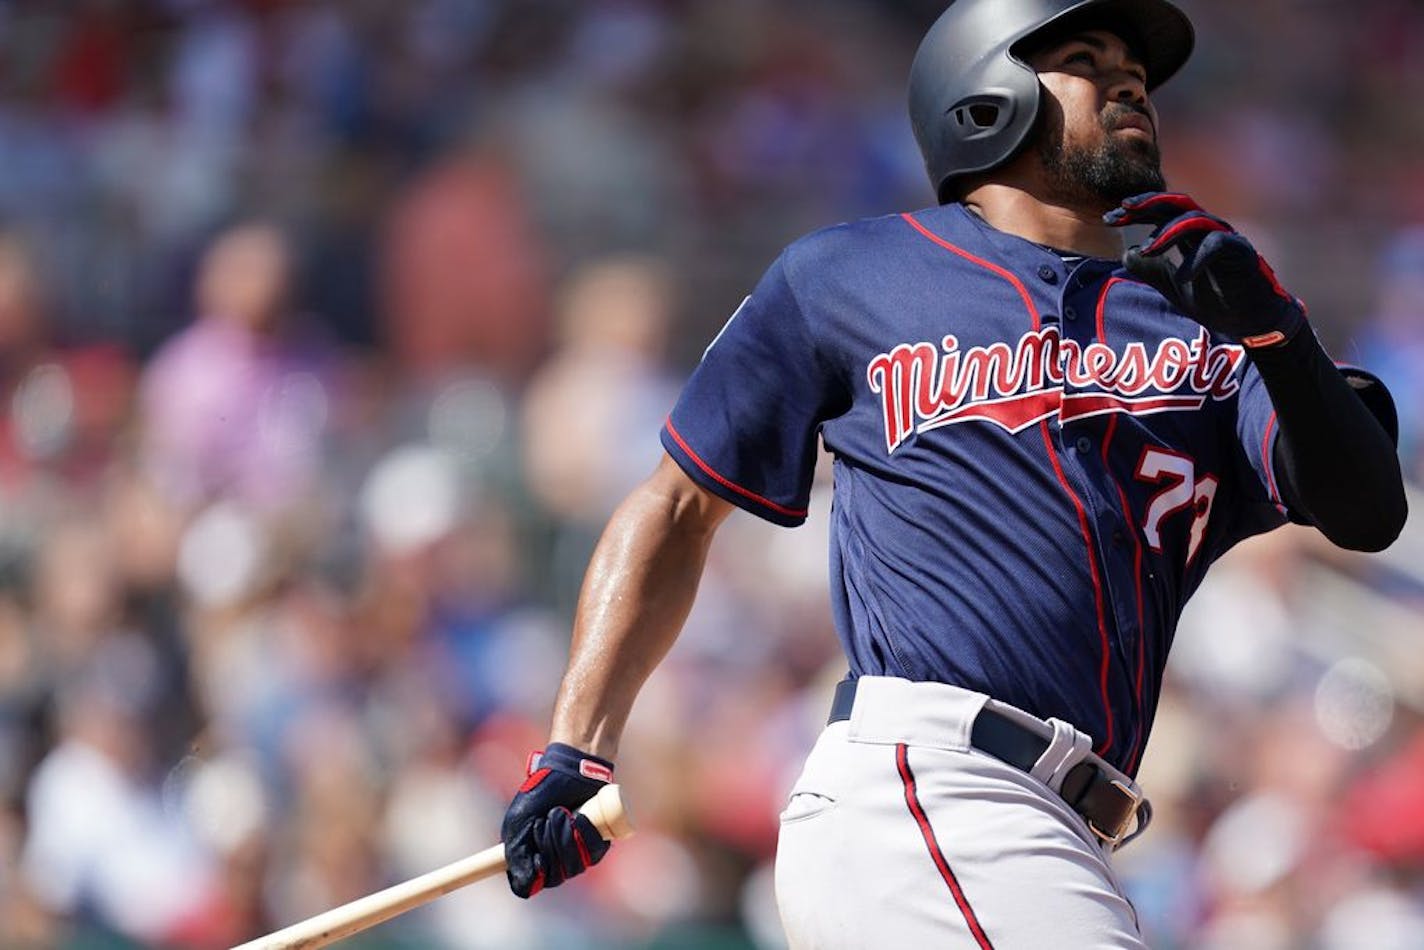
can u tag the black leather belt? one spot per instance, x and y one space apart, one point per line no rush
1107 804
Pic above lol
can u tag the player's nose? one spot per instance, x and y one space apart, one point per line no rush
1126 86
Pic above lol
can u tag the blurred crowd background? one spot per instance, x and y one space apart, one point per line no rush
332 330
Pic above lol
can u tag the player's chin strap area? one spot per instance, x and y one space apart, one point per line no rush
1114 808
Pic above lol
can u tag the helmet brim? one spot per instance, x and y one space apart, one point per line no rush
1159 33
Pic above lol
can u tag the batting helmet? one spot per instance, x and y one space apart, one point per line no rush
973 98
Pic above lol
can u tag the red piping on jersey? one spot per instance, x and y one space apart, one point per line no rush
1137 578
727 483
1053 457
1103 306
1097 584
1136 542
1007 275
1108 437
1269 464
912 800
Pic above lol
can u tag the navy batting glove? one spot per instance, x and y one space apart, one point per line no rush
546 841
1208 271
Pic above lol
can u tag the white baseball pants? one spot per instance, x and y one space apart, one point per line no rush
898 834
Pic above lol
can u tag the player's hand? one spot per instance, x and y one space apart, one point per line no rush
546 841
1208 271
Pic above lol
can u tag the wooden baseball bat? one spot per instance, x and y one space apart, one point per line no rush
605 810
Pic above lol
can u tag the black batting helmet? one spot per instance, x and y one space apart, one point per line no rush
973 99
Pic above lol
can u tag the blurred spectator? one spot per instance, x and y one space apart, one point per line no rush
593 410
605 385
64 405
1392 344
465 273
235 406
102 847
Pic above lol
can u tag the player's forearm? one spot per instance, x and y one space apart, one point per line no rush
1335 463
636 596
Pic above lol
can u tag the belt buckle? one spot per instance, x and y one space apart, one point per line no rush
1120 837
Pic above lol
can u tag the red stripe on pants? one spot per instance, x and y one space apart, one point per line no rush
902 760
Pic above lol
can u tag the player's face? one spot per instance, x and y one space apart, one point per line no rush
1097 132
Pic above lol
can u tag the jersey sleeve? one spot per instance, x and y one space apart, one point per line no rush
745 426
1376 397
1257 431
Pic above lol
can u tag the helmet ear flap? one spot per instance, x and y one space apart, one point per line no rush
981 116
992 124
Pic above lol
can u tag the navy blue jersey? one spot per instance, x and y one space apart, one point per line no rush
1035 461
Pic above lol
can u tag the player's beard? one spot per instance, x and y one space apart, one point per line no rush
1104 176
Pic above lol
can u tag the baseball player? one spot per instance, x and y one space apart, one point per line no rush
1041 441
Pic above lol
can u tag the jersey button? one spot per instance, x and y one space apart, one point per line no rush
1084 444
1069 313
1047 274
1118 538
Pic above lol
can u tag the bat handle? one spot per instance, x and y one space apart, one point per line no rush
605 810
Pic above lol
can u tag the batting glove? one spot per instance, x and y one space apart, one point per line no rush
1208 271
546 841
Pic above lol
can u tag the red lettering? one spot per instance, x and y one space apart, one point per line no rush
897 375
987 366
1072 360
1173 363
1201 353
920 384
1038 353
1225 359
1099 361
